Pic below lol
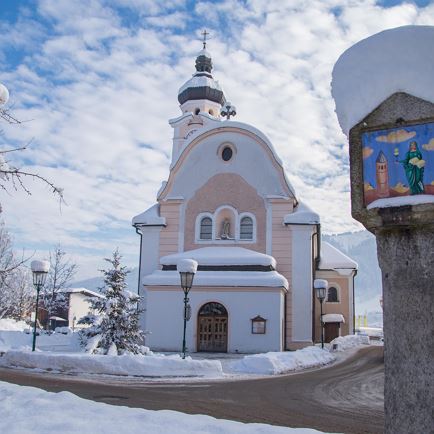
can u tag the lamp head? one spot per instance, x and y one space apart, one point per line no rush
40 270
320 286
187 269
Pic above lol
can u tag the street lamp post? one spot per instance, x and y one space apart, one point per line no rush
40 270
320 286
187 269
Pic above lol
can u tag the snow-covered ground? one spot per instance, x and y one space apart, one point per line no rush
63 354
344 343
155 365
30 410
280 363
17 340
10 324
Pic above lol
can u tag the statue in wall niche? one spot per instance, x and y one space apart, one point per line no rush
226 230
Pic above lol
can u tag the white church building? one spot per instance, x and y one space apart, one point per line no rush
228 205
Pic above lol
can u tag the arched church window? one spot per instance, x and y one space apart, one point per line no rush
196 111
332 295
206 229
211 112
246 228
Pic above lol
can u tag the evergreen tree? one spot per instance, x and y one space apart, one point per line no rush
114 329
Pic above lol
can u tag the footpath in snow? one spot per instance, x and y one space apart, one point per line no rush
30 410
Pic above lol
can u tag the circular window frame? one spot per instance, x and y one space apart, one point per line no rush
222 147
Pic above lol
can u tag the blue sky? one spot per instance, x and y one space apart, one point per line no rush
99 80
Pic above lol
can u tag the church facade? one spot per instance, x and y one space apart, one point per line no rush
228 205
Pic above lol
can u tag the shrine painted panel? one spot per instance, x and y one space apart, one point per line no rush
398 162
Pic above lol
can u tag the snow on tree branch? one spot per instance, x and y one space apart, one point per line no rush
14 177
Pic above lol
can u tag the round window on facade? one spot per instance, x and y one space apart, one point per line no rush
227 153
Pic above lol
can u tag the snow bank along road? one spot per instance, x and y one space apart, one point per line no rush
347 397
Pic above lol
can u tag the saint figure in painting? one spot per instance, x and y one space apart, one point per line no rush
414 167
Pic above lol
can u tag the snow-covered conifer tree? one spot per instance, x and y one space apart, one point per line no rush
115 325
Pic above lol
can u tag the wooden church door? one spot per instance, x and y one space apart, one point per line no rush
212 325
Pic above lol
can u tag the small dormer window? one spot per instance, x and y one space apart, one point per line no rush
246 228
206 229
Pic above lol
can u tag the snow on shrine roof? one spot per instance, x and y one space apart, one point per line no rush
221 256
303 215
333 317
402 201
84 291
334 259
395 60
219 278
150 217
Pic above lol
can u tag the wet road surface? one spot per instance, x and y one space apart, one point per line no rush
345 398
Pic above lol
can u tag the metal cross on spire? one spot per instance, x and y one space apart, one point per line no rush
204 34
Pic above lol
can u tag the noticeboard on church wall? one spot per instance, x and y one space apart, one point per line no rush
398 162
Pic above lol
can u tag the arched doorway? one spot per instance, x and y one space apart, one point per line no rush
212 328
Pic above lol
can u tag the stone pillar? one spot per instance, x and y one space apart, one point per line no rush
403 224
406 258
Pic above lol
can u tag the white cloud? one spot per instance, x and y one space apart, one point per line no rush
100 90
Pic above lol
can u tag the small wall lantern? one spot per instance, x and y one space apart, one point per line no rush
258 325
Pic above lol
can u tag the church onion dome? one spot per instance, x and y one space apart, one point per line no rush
202 85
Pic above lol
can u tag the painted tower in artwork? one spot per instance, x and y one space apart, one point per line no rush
382 175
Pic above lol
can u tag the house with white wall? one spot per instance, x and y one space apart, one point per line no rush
229 205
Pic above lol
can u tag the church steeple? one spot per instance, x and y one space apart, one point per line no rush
201 99
202 85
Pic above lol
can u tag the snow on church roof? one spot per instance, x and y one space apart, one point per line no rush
219 278
150 217
395 60
303 215
200 81
334 259
221 256
219 126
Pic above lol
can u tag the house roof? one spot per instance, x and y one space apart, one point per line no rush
334 259
84 291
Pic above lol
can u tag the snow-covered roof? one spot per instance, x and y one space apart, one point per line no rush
221 256
150 217
219 278
200 81
334 259
220 126
333 317
302 215
84 291
395 60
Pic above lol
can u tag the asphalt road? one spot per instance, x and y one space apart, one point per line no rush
345 398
